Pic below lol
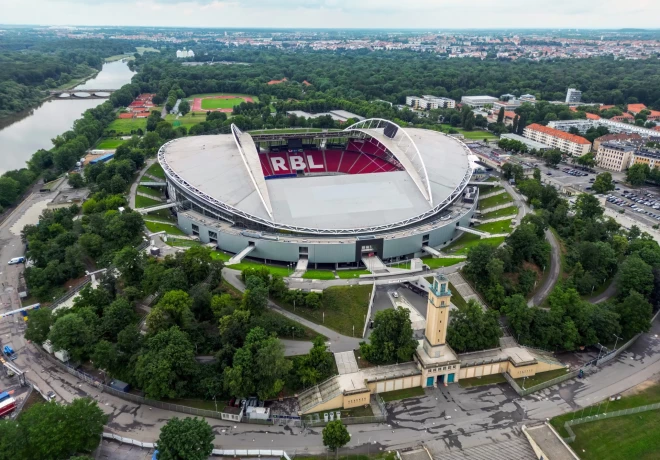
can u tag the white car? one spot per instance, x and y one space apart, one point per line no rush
17 260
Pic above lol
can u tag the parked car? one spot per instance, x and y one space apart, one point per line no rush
17 260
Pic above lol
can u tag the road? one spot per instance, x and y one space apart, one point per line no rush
606 294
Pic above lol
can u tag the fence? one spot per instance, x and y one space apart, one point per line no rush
549 383
218 452
141 399
368 317
593 418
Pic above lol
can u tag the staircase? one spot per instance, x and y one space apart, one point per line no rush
239 257
514 449
319 394
301 267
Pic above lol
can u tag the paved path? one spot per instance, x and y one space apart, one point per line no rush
555 268
336 341
463 288
606 294
134 185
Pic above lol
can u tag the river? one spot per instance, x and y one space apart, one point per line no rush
25 133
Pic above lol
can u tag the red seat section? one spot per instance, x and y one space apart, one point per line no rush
332 159
327 161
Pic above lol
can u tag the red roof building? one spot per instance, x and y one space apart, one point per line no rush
566 142
635 108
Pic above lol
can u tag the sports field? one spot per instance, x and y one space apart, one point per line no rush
218 102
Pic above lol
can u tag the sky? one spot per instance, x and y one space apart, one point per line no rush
427 14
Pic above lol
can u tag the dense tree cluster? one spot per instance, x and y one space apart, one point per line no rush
52 431
391 340
471 328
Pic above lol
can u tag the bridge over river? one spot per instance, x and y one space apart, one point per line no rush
67 94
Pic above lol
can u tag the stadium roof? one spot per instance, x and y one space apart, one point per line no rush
225 170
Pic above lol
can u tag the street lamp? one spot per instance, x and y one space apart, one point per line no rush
616 341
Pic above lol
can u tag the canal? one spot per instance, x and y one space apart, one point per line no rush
25 133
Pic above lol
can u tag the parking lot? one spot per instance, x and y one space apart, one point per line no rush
646 205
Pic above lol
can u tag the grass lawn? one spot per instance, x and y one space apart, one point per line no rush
496 200
219 255
501 226
485 189
344 307
160 226
187 121
273 269
472 135
149 191
272 317
163 215
210 104
635 398
143 202
540 378
468 240
203 95
157 171
348 274
108 144
127 125
510 211
319 275
183 243
444 262
479 381
619 438
402 394
456 297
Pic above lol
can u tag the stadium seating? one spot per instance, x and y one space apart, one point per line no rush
328 161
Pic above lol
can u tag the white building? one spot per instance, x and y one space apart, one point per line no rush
613 126
478 101
568 143
614 156
430 102
573 96
185 53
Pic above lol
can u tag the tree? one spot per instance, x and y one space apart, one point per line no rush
184 107
391 339
173 309
255 297
472 329
603 183
9 190
116 317
335 435
586 160
76 180
317 365
56 431
166 364
588 206
258 367
637 174
187 439
635 314
71 333
552 157
130 263
500 115
39 324
635 275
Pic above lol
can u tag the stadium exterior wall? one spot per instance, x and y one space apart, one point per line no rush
323 252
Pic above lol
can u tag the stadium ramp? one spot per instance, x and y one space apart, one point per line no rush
475 232
374 265
240 256
431 251
301 267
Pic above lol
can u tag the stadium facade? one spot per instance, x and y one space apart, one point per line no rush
328 198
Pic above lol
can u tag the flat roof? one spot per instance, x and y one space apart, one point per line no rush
526 141
215 167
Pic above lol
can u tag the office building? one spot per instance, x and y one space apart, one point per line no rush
478 101
430 102
614 155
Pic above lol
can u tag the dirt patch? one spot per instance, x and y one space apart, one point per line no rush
642 386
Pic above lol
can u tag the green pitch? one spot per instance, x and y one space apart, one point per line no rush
210 104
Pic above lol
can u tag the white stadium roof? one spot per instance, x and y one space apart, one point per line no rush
225 170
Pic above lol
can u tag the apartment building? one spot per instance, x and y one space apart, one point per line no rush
621 137
573 96
430 102
614 155
567 143
651 158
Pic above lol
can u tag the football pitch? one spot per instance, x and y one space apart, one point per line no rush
221 103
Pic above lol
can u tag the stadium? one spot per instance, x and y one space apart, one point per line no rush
371 192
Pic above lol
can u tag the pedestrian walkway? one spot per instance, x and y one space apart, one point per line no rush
463 288
515 449
346 362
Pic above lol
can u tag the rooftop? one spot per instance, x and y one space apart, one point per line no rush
517 355
560 134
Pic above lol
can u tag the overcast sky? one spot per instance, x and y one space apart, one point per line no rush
432 14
